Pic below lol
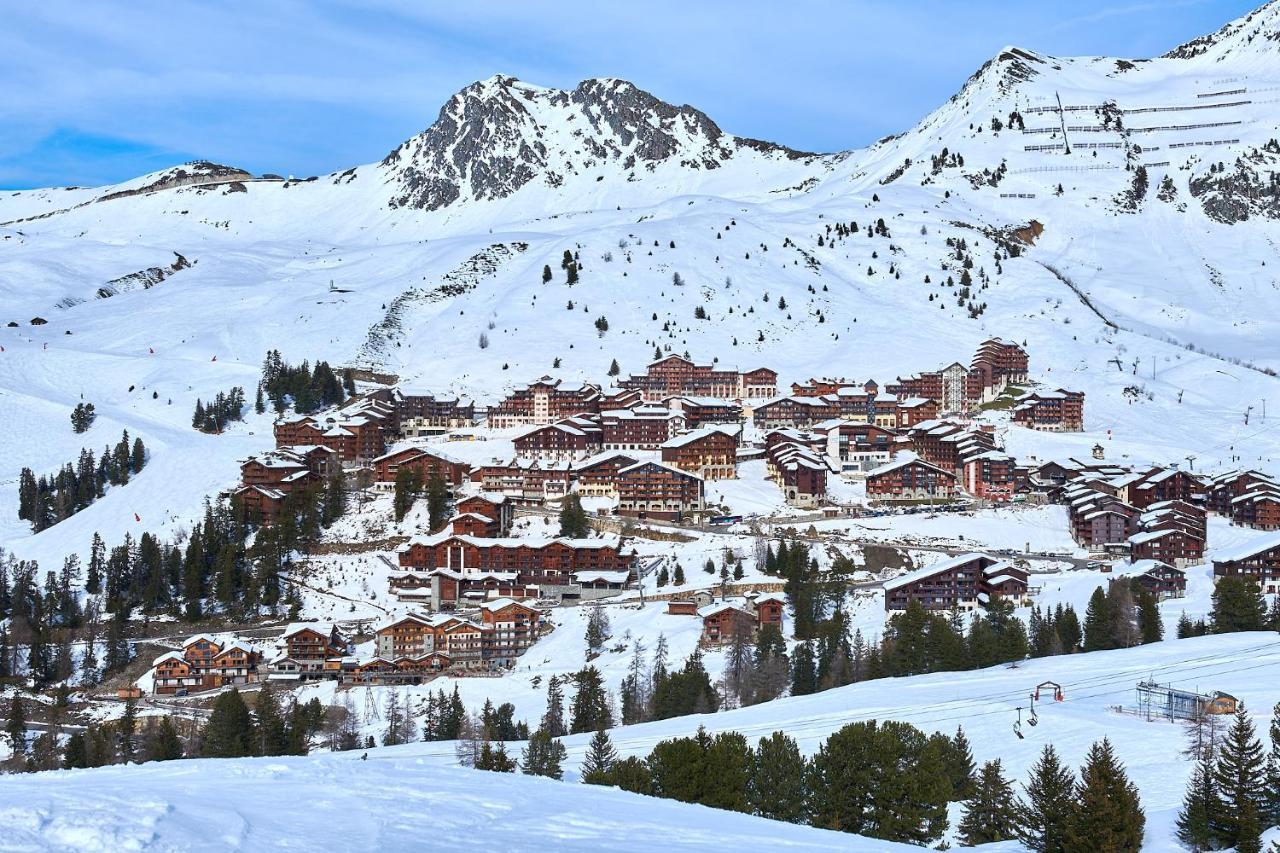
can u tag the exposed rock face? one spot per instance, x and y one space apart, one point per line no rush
1232 195
498 135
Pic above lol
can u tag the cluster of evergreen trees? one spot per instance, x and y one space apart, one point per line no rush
409 487
223 409
1238 605
98 744
82 417
232 731
209 566
52 627
307 388
45 501
1234 791
887 780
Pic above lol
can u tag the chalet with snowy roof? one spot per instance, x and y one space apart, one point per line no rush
426 462
1259 509
205 663
535 561
289 467
711 452
723 621
492 506
675 375
545 401
657 490
641 428
699 412
1173 546
1166 484
828 386
800 472
569 440
793 412
990 476
510 628
355 432
910 479
307 651
996 364
960 583
597 476
946 444
1160 579
1257 559
525 481
915 410
856 447
1054 411
1222 489
259 504
423 413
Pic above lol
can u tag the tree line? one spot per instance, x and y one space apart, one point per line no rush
306 388
45 501
226 407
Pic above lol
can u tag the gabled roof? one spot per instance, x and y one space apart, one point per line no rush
935 569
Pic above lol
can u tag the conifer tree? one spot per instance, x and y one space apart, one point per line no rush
598 765
804 677
127 729
166 745
269 727
778 787
574 523
1108 813
1240 777
1237 606
960 766
989 816
589 710
1098 623
553 719
229 730
1272 800
1199 806
543 756
1046 811
16 726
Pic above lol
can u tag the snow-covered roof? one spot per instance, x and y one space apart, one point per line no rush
902 463
593 575
936 568
1252 548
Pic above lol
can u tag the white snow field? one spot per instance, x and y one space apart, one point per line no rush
341 804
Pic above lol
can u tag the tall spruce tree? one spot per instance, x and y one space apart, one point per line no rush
1108 814
166 745
1048 806
589 710
597 767
989 815
229 731
1240 776
1272 800
543 756
1199 807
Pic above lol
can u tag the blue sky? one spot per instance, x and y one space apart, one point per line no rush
100 92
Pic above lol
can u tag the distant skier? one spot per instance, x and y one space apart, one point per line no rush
215 358
137 517
151 350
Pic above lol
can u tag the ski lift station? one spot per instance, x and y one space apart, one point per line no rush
1163 700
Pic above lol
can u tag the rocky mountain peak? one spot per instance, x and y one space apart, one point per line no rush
498 135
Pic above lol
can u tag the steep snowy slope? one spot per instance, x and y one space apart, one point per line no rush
1146 298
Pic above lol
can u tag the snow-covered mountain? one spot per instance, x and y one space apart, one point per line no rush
1118 215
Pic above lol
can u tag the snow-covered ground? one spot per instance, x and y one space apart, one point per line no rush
339 803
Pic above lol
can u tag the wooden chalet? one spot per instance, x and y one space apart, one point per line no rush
598 475
1055 411
495 507
856 447
1160 579
911 480
963 582
205 663
641 428
545 401
990 476
704 411
1258 559
656 490
711 452
309 651
996 364
675 375
569 439
427 462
